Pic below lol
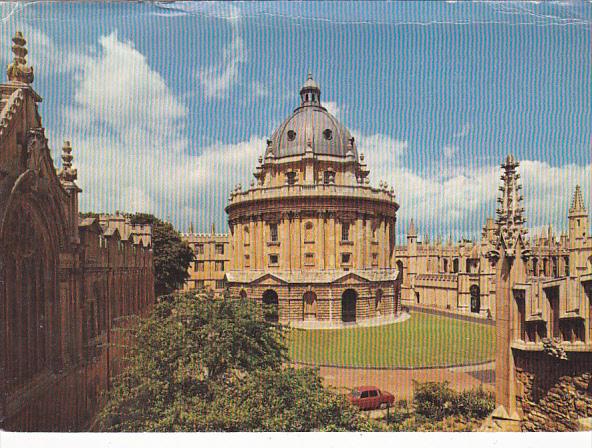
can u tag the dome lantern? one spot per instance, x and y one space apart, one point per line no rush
310 92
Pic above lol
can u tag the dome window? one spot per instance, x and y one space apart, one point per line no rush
328 134
291 135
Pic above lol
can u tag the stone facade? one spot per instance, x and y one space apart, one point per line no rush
458 277
543 322
310 236
68 285
212 260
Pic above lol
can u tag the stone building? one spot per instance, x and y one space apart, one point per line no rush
311 237
212 260
543 320
458 277
67 285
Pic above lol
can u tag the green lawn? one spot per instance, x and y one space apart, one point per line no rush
423 340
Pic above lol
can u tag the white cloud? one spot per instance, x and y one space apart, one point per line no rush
449 150
332 107
458 201
218 79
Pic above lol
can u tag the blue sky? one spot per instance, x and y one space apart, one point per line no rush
168 105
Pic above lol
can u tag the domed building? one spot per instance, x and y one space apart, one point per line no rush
311 237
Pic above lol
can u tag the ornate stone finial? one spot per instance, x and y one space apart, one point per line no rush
510 214
68 173
19 71
411 231
577 203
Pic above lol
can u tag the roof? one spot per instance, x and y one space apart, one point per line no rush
312 277
311 125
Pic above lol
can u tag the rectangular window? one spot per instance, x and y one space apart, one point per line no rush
273 259
220 266
219 249
273 232
199 266
345 231
345 258
291 177
199 249
374 259
219 284
309 259
247 261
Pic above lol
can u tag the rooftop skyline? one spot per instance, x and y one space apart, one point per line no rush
168 106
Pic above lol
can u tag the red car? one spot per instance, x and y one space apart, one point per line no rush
370 397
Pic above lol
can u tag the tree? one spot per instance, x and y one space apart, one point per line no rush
200 364
172 255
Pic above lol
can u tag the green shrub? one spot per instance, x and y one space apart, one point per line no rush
433 400
436 401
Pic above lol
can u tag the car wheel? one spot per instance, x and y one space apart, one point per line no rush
383 405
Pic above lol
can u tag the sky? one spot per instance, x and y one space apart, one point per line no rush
168 105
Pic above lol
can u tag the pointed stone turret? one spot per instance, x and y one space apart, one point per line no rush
18 70
577 217
577 204
411 231
510 213
191 231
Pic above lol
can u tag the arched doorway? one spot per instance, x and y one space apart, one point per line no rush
378 302
348 305
243 294
309 306
475 299
271 306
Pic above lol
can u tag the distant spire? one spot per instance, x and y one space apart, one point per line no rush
577 203
213 228
18 71
411 231
191 227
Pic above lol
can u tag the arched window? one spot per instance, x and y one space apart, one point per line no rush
455 265
445 267
309 232
246 236
270 305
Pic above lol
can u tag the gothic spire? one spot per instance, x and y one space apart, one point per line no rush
577 203
411 231
18 70
510 213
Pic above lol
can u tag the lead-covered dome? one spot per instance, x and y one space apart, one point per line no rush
311 124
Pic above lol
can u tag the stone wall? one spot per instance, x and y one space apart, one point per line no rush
553 395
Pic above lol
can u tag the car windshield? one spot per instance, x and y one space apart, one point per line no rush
355 393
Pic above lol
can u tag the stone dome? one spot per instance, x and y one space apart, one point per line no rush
311 124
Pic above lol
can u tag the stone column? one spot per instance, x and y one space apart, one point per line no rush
252 243
297 238
320 241
331 241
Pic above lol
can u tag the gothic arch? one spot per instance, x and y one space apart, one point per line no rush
29 313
